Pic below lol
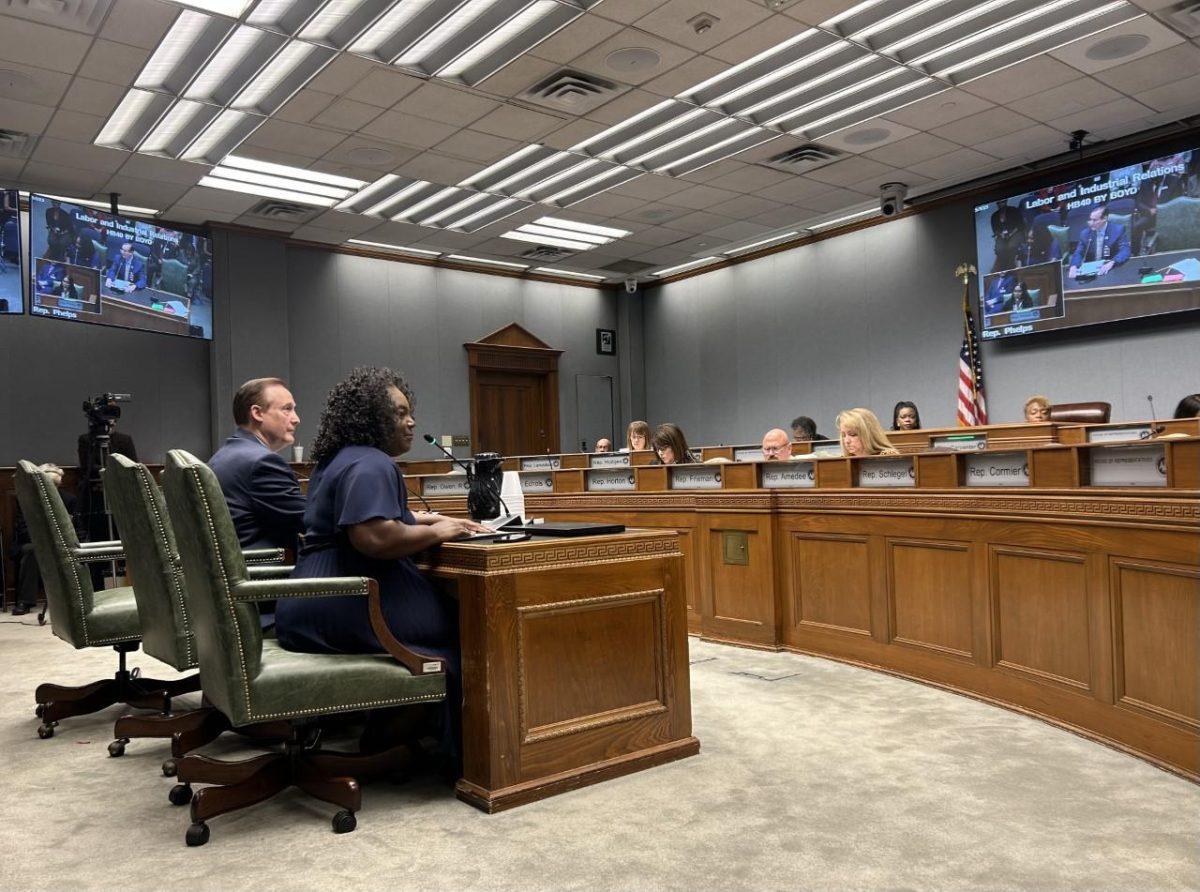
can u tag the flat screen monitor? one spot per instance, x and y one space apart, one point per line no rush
11 279
92 266
1118 245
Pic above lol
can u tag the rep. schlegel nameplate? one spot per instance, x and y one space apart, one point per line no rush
887 472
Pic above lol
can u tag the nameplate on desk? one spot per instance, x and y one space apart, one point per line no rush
614 480
695 478
886 472
450 485
748 453
830 448
536 481
1119 434
610 460
788 475
541 463
998 469
960 442
1129 466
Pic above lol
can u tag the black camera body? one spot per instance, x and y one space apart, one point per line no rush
103 410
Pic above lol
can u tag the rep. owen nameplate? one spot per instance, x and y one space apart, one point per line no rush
997 469
450 485
886 472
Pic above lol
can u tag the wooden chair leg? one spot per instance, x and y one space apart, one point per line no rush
361 766
188 685
46 693
270 777
341 791
203 770
204 726
99 696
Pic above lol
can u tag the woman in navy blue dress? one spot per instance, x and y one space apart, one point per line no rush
357 523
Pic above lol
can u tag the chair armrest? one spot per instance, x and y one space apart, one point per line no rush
269 571
98 553
274 589
263 555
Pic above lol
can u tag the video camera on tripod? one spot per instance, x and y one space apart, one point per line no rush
102 411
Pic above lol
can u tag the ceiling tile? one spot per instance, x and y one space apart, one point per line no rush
850 170
346 114
662 256
957 163
913 150
703 243
348 224
312 233
986 125
739 231
197 216
624 106
146 193
285 226
626 11
274 155
1173 95
659 213
114 63
476 146
392 232
832 200
93 97
139 22
675 21
709 172
147 167
1141 37
42 46
1032 143
700 221
572 134
1162 68
1018 81
517 123
304 106
693 71
383 87
408 129
375 155
1078 95
575 39
85 157
342 74
1119 111
450 241
794 190
438 168
746 206
518 76
940 109
654 236
756 39
650 187
435 102
813 12
10 168
25 83
296 139
24 116
595 60
701 197
219 200
73 181
74 126
785 216
750 178
607 204
868 135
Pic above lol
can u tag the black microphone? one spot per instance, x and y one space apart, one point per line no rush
1150 400
474 495
432 441
1155 427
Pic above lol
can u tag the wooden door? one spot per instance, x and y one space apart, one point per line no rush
512 420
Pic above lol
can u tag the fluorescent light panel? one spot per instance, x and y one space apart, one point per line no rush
457 208
178 128
216 182
386 206
294 184
340 22
742 249
593 185
234 65
846 218
611 232
764 62
988 33
222 136
493 213
592 241
465 259
189 43
570 274
283 170
294 66
691 264
520 236
284 16
368 193
129 123
386 246
495 42
503 165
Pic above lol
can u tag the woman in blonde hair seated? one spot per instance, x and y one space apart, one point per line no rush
862 434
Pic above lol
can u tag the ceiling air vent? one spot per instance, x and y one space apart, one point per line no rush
572 91
283 211
14 144
545 253
84 16
802 158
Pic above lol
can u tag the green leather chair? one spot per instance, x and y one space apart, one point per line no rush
154 563
79 615
174 277
251 679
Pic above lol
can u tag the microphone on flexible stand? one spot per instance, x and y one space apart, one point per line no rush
432 441
483 489
1155 427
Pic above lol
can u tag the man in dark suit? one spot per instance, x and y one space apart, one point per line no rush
261 489
1008 234
1101 241
60 230
127 269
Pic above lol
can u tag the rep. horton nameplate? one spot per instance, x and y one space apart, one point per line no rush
748 453
1129 466
450 485
609 460
1119 434
998 469
536 481
695 477
788 475
612 480
886 472
541 463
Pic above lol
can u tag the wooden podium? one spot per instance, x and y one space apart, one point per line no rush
575 661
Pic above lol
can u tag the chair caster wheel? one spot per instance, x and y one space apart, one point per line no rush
45 731
197 834
117 747
39 709
344 821
169 769
181 794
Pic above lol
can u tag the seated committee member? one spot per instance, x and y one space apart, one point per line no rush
804 428
776 446
670 446
637 437
862 434
1037 409
82 252
126 268
1100 241
1189 406
263 493
905 416
1021 298
604 444
358 524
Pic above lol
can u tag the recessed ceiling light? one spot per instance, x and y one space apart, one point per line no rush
299 173
570 274
633 59
742 249
609 231
223 135
1117 47
137 114
691 264
565 234
216 182
465 259
406 250
536 239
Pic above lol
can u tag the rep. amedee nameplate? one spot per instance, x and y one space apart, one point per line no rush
998 469
698 477
887 472
788 475
536 481
450 485
614 480
1119 434
609 460
541 463
1129 466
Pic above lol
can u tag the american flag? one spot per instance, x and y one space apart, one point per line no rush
972 405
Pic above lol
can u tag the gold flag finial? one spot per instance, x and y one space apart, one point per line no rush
965 271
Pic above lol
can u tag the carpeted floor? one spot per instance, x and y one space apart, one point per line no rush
812 775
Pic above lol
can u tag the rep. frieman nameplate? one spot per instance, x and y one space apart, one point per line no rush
541 463
887 472
614 480
536 481
1119 434
450 485
1129 466
700 477
998 469
788 474
610 460
748 453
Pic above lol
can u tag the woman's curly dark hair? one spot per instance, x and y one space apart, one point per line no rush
359 412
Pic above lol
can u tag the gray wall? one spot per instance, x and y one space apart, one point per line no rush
311 316
873 317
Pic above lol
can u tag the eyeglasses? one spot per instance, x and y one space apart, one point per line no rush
773 450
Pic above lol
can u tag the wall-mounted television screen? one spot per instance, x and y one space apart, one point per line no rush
11 278
1117 245
93 266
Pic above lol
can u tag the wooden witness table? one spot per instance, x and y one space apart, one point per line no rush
575 661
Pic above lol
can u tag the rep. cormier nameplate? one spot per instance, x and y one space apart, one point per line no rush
887 472
1129 466
697 477
610 480
997 469
788 475
609 460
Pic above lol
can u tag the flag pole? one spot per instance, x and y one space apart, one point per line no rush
964 271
